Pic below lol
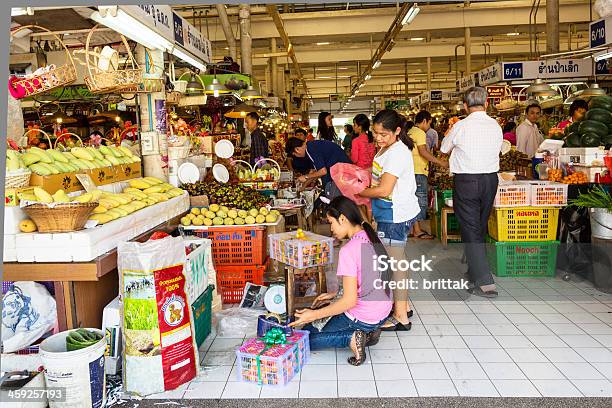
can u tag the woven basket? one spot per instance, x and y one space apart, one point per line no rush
61 217
41 83
99 81
151 81
17 179
64 135
23 142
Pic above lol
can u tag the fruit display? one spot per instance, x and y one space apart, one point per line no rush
242 153
596 128
14 162
81 338
575 178
219 215
439 177
231 195
39 195
556 133
263 173
510 160
555 174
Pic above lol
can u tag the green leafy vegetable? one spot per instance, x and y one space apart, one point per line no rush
596 198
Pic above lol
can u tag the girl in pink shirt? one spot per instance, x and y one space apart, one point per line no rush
362 149
356 317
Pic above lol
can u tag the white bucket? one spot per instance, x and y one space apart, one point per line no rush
601 223
79 373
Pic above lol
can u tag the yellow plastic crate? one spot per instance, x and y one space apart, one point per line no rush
524 224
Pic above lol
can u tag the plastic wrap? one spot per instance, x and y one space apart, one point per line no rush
237 322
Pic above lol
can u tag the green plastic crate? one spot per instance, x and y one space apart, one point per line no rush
453 225
202 315
441 196
522 259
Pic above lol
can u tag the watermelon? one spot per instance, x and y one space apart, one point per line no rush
606 140
572 127
590 140
604 102
609 128
591 126
599 115
573 139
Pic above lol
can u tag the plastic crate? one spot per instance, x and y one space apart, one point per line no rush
232 279
512 195
524 224
436 226
198 267
441 196
548 194
275 366
312 250
234 245
522 259
202 315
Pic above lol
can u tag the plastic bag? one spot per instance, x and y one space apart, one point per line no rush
28 313
237 322
14 122
575 252
603 8
352 180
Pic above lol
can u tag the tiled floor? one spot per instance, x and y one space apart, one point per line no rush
540 337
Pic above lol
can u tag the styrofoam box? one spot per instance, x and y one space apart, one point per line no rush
582 155
591 171
12 217
87 244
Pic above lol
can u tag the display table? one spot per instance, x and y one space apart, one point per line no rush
82 289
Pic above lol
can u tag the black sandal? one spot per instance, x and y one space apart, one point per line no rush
397 325
360 344
372 338
410 313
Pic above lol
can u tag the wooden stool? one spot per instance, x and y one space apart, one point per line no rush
299 213
295 302
444 235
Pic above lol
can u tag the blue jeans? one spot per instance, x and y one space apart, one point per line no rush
338 332
394 233
421 193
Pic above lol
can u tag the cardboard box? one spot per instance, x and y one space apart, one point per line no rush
103 176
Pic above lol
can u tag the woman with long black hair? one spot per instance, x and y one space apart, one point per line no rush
326 130
365 303
363 148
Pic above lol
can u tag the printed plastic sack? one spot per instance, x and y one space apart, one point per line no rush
603 8
352 180
158 341
28 312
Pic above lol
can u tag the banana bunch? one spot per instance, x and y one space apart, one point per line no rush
14 162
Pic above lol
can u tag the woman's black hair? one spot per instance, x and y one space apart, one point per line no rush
292 144
300 131
349 129
325 132
391 120
342 205
577 104
364 123
510 126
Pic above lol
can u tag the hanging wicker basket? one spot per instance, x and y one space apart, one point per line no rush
23 142
65 135
151 81
17 179
100 81
51 78
63 217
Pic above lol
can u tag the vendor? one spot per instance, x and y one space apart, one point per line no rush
357 315
259 142
576 112
323 154
300 165
528 136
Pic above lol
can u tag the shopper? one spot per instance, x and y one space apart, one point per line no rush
347 142
323 154
357 315
326 130
259 142
310 136
421 157
576 112
510 132
394 202
363 148
299 165
528 136
474 145
432 136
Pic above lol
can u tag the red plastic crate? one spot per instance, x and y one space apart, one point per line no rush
234 245
231 280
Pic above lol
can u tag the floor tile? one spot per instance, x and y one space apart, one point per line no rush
596 328
385 343
465 371
389 372
570 328
561 355
472 330
567 308
534 329
476 388
512 342
579 340
503 330
225 344
290 390
428 319
415 342
523 318
318 372
516 388
241 390
552 318
170 395
456 356
387 356
493 318
357 389
213 358
205 390
512 309
540 308
604 339
435 388
579 371
582 318
463 318
481 342
342 356
421 356
596 308
318 389
540 371
428 371
441 330
457 308
213 373
351 373
491 356
594 388
503 371
595 355
323 357
556 388
448 342
604 368
547 341
480 309
396 388
527 355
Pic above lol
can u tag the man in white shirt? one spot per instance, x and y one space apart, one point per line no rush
474 144
528 136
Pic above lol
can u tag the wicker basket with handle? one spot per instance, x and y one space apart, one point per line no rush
53 77
152 81
64 217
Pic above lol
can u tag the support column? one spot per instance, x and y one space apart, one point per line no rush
552 26
468 51
288 88
246 41
428 74
227 31
274 68
406 93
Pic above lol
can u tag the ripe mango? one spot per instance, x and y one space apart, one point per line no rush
101 218
30 158
140 184
57 156
81 153
27 226
99 209
83 198
42 196
153 180
60 196
126 151
44 156
39 169
154 189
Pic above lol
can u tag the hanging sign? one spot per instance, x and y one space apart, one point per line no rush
549 69
496 91
466 83
603 67
424 98
435 96
599 34
186 35
490 75
157 18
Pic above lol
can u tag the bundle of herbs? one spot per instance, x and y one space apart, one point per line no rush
596 198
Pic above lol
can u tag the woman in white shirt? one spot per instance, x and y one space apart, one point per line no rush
393 192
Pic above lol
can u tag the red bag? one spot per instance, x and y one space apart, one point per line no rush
352 180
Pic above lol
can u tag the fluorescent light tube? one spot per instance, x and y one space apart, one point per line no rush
412 13
368 77
188 58
603 56
376 64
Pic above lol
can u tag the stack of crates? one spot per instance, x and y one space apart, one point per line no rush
523 229
436 217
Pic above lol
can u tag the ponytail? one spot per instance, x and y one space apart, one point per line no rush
391 120
363 122
370 137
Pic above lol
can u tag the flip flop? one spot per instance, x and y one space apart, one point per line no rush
426 235
397 325
360 344
477 291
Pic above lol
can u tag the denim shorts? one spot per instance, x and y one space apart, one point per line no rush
394 233
421 193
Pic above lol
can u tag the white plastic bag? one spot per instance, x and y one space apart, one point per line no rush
238 322
14 122
603 8
28 312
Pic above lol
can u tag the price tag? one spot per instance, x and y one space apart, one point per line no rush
87 182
